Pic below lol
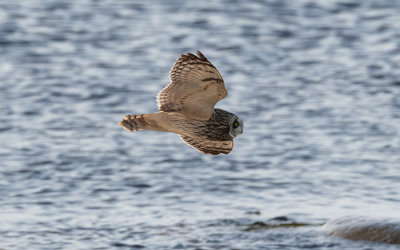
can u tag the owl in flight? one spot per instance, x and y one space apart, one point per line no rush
186 107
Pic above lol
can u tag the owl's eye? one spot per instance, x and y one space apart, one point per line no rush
235 124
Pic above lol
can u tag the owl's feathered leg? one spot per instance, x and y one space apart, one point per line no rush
154 121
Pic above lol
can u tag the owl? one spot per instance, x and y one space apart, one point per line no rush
186 107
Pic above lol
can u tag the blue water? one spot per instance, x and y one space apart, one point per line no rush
317 84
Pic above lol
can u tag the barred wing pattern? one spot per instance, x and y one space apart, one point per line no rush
208 146
195 87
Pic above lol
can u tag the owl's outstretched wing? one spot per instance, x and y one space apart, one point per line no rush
208 146
195 87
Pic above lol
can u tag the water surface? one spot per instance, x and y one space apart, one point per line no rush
316 83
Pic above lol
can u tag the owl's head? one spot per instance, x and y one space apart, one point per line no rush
235 126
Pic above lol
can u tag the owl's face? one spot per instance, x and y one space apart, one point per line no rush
235 126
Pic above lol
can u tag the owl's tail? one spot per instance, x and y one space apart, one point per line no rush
152 121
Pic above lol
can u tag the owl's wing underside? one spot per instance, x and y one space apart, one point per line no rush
208 146
195 87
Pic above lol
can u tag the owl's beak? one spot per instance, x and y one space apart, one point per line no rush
239 130
233 132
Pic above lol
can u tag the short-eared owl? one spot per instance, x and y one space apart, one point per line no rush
186 107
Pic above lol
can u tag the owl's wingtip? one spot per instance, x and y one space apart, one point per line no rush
200 54
126 125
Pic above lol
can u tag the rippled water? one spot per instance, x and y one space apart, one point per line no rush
317 84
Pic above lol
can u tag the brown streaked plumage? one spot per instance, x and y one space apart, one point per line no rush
186 107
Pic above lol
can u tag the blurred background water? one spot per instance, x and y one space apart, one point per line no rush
316 83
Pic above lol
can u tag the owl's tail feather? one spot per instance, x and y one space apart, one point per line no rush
143 122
